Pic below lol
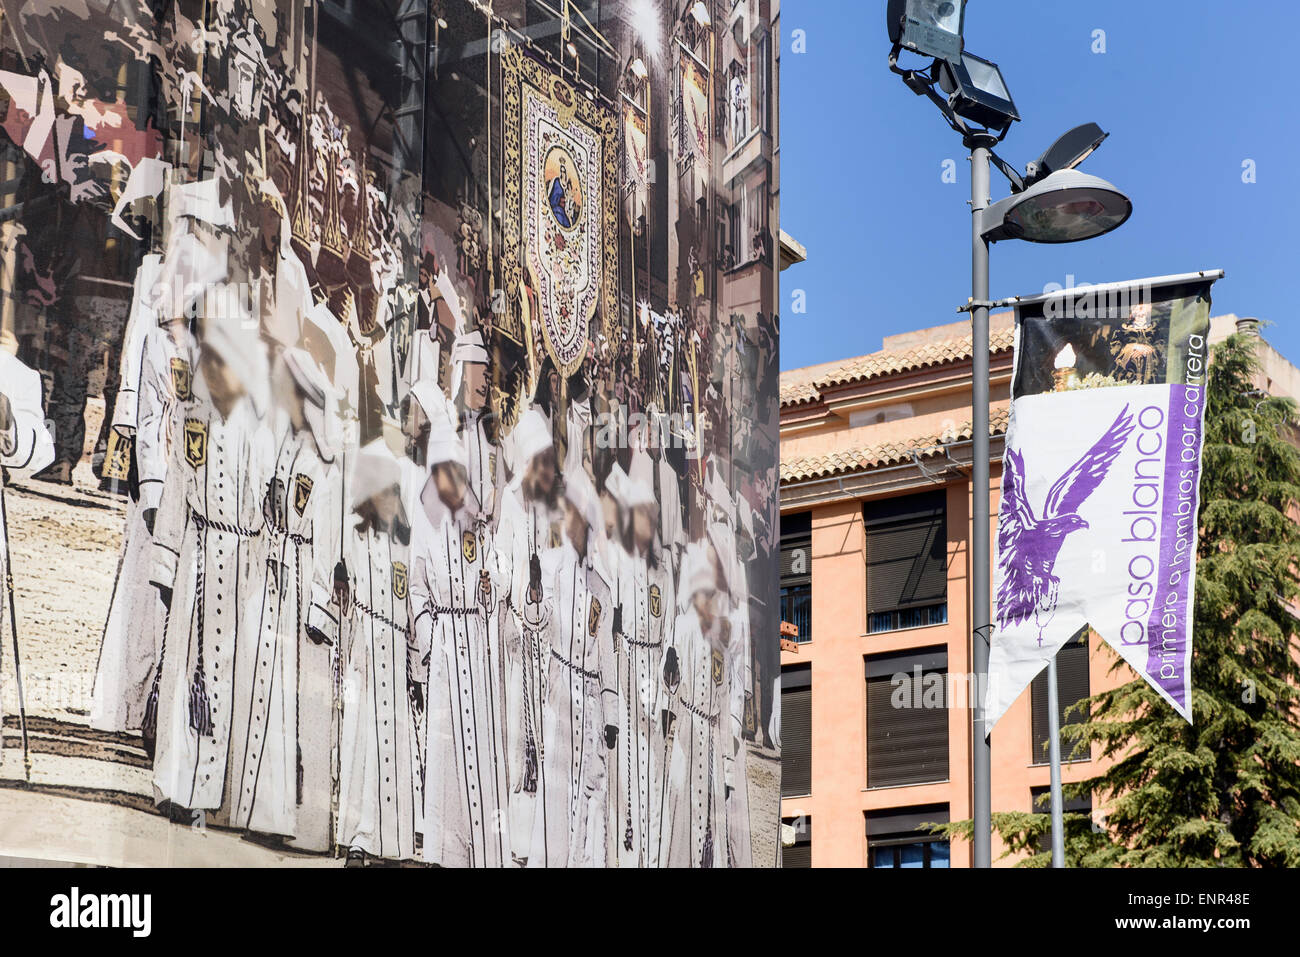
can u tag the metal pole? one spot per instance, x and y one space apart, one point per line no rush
981 778
13 631
1054 758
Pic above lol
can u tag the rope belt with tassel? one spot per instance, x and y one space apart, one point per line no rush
627 747
200 705
298 541
706 852
451 611
149 723
282 531
532 750
439 610
575 668
380 617
699 712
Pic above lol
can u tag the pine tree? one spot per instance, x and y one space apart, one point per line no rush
1225 790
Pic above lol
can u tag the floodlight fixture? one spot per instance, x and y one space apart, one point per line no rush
977 92
929 27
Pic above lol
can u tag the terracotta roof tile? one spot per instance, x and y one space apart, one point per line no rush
798 392
797 388
848 461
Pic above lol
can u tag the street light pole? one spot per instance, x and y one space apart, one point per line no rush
1052 203
1054 759
981 776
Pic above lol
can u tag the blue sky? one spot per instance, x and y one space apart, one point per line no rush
1188 91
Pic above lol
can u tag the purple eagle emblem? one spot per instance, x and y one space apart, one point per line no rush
1028 545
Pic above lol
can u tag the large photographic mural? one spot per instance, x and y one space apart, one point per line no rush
388 414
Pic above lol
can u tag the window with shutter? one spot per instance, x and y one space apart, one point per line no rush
1042 805
1042 802
796 608
899 838
907 718
798 854
1071 687
907 568
796 730
796 573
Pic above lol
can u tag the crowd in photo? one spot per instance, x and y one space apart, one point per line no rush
431 552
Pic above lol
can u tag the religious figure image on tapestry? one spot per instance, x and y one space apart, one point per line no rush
562 151
564 190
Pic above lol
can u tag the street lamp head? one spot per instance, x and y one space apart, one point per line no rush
1065 207
929 27
977 92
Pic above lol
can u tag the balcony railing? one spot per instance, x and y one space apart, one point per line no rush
907 618
796 608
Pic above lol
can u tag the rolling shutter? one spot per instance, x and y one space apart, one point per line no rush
904 820
798 854
796 730
908 744
1072 686
1041 804
796 548
796 561
906 552
1069 805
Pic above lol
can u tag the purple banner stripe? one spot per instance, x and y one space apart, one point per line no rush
1169 629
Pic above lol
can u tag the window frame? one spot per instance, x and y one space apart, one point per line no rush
802 838
796 532
883 667
796 677
900 827
920 839
1081 642
893 514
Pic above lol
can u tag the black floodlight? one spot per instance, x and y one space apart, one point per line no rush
977 92
1067 152
929 27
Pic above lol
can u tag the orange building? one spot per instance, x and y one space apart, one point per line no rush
875 526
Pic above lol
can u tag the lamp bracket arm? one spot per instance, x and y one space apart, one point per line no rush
1006 169
893 62
956 122
919 82
923 84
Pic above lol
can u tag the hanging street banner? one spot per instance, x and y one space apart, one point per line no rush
1100 482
